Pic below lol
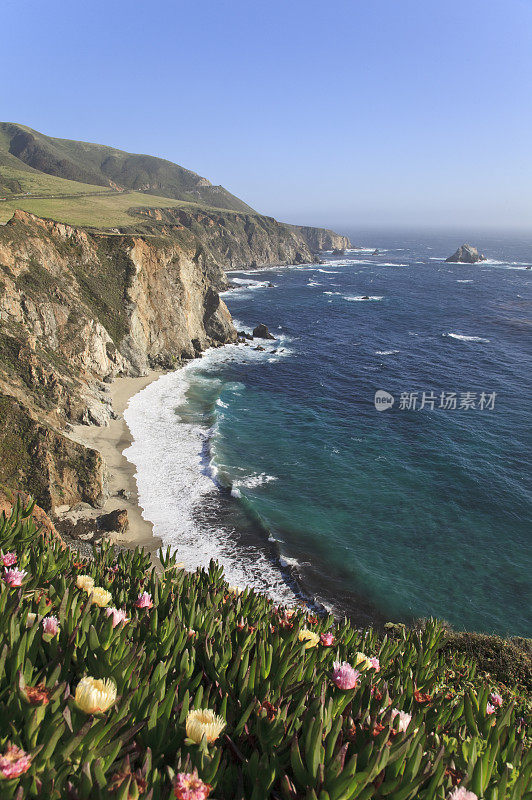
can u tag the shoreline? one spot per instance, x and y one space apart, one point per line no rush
111 441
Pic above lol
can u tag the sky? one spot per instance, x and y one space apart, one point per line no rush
361 113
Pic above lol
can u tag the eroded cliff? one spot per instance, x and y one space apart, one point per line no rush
76 309
243 241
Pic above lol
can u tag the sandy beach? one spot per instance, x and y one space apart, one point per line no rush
111 441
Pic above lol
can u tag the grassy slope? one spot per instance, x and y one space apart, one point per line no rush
101 166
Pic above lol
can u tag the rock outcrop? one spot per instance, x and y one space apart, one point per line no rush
242 241
466 254
76 309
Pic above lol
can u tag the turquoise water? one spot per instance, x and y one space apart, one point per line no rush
394 514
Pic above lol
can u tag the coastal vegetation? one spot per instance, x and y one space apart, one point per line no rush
121 680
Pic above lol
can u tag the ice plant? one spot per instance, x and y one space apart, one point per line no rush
14 577
490 709
188 786
461 793
344 676
327 639
404 719
204 722
9 559
311 638
118 615
375 664
14 762
94 695
50 625
496 699
144 600
100 597
85 582
30 619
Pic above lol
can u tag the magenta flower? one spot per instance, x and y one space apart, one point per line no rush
14 577
461 793
496 699
327 639
14 762
490 709
344 676
118 615
375 664
9 559
188 786
144 600
50 625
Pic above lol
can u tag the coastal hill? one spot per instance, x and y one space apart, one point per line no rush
23 148
95 186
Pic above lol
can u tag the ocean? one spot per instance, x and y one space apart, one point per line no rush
278 463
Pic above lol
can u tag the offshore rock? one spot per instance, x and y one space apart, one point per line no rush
262 332
466 254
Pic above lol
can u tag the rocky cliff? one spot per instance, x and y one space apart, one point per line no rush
76 309
242 241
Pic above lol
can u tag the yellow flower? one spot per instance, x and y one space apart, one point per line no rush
362 660
309 637
94 695
204 722
85 582
31 619
100 597
234 589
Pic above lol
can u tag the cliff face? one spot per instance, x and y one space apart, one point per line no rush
75 310
241 241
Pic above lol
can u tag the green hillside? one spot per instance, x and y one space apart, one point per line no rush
26 151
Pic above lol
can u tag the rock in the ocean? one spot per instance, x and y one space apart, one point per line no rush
262 332
466 254
338 251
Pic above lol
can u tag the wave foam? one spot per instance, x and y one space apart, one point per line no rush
464 338
174 478
362 298
386 352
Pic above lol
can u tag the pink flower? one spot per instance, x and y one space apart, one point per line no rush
404 719
14 577
14 762
344 676
9 559
461 793
490 709
375 664
118 615
50 625
496 699
188 786
327 639
145 601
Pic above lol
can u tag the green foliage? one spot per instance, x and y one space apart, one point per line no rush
290 732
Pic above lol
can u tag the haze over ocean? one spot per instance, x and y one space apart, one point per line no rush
409 513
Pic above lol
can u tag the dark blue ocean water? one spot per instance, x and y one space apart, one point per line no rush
405 512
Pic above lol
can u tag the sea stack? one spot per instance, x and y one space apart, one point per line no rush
466 254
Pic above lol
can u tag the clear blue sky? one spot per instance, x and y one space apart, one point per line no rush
355 113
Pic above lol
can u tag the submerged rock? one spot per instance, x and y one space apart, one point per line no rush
466 254
262 332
